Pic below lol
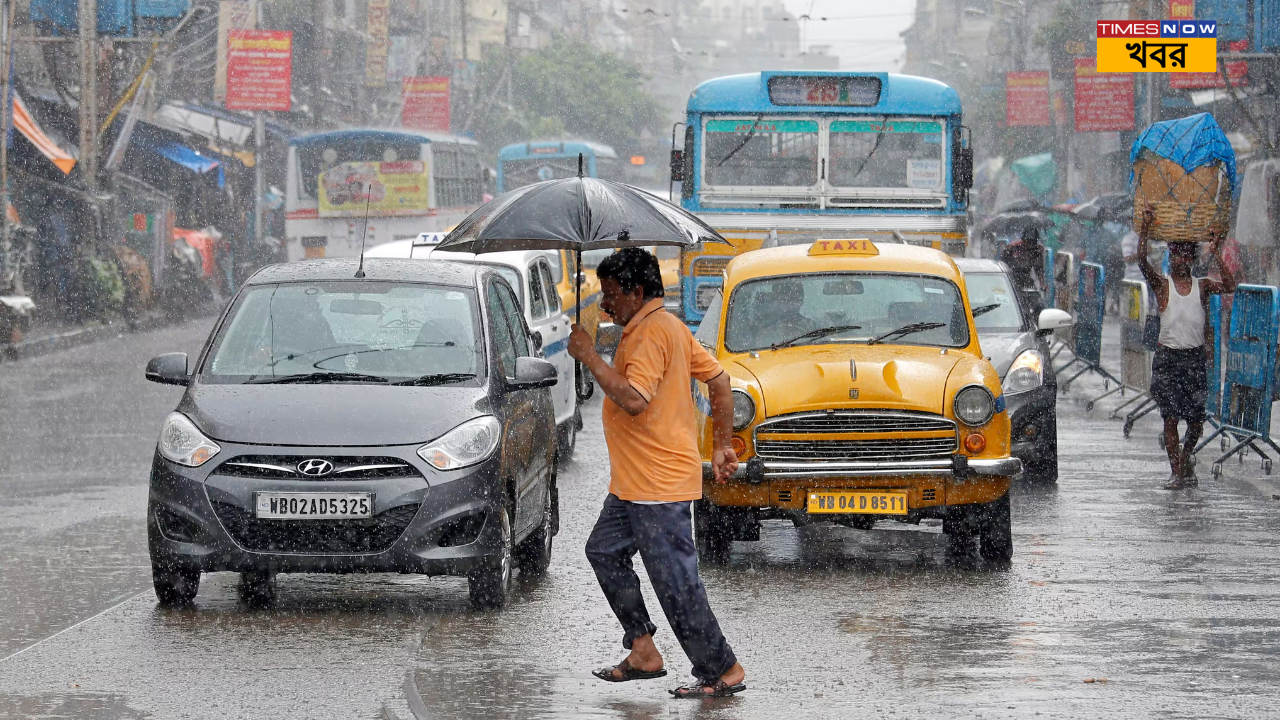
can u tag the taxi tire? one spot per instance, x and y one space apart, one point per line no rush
566 440
711 532
995 531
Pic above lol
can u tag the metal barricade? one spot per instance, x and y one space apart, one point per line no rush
1050 287
1135 359
1090 306
1063 281
1250 377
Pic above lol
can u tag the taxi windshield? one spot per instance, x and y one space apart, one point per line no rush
823 308
352 331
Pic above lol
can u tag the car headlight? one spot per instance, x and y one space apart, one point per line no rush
183 443
1026 373
974 405
744 410
467 444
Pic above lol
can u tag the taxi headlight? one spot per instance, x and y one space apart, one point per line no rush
183 443
1026 373
467 444
974 405
744 410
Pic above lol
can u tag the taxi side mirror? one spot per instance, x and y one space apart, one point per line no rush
1052 319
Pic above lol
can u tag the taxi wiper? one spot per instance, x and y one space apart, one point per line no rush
436 379
816 333
984 309
318 377
907 330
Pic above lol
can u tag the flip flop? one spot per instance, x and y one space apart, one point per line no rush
719 689
628 673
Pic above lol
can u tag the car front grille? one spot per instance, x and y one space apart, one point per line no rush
315 537
854 436
344 468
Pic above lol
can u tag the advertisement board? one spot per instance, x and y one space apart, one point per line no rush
259 69
426 103
1027 99
377 43
383 188
1103 101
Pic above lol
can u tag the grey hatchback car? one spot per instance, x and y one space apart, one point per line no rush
395 422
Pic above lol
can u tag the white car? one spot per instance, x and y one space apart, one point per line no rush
529 272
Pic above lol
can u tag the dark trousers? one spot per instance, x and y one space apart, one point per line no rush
663 534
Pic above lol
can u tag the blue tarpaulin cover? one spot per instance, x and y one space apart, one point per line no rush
187 158
1191 142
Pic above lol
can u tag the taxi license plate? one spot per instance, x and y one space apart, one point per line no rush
313 506
857 501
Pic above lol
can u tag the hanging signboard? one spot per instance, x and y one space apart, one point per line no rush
384 188
1027 99
1182 9
259 69
1103 101
1237 72
426 103
232 15
377 42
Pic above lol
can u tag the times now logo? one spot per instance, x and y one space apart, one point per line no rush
1157 29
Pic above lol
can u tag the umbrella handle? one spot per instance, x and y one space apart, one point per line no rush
577 318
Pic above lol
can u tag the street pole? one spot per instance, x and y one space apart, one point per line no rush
259 139
6 244
88 21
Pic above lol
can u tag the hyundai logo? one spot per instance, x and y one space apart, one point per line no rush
315 467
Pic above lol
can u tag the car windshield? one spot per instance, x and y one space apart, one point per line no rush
992 290
387 331
771 311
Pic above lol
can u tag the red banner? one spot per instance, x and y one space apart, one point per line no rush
1237 71
259 69
1182 9
1026 99
426 103
1104 101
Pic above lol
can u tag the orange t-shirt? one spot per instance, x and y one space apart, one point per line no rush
654 456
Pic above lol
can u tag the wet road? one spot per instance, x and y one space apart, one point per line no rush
1172 598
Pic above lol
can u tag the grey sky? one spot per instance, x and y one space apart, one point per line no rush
864 33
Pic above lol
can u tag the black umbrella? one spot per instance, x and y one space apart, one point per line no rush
1013 223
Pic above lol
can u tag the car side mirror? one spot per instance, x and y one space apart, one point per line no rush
1052 319
677 166
536 336
963 168
533 373
168 369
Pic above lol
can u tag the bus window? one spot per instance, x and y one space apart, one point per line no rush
456 169
518 173
315 159
886 154
764 152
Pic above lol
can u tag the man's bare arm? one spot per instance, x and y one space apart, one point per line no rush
1227 285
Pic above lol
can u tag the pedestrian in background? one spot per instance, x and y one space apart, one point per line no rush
1025 258
656 474
1179 381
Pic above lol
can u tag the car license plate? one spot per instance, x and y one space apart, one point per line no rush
313 506
857 501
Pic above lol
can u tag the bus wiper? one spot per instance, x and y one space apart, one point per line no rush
436 379
984 309
907 330
816 333
318 378
744 142
874 146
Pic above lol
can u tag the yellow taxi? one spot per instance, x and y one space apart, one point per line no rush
860 394
567 271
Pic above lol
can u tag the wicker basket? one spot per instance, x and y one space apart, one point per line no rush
1187 206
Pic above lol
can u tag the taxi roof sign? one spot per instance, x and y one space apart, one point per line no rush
855 246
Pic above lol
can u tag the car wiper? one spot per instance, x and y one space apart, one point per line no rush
907 330
318 377
436 379
816 333
984 309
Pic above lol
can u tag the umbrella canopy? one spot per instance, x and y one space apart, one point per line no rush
1013 223
579 213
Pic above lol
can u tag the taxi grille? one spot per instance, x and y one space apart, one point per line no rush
855 450
857 422
315 537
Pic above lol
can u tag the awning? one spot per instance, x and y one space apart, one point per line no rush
155 140
25 123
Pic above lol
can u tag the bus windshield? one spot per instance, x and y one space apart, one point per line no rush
315 159
761 152
886 154
518 173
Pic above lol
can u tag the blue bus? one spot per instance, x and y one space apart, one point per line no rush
789 157
527 163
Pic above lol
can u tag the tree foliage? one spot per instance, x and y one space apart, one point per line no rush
568 88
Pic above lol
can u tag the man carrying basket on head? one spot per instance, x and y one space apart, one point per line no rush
1179 380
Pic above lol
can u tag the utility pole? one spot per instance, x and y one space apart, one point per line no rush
88 23
6 41
259 139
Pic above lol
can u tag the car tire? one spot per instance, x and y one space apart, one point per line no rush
489 587
176 584
1044 471
257 588
533 557
586 384
566 439
711 532
995 531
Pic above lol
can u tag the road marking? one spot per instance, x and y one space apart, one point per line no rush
73 627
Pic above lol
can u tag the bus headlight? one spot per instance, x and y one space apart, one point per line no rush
1026 373
744 410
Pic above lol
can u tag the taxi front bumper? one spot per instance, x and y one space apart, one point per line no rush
958 467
